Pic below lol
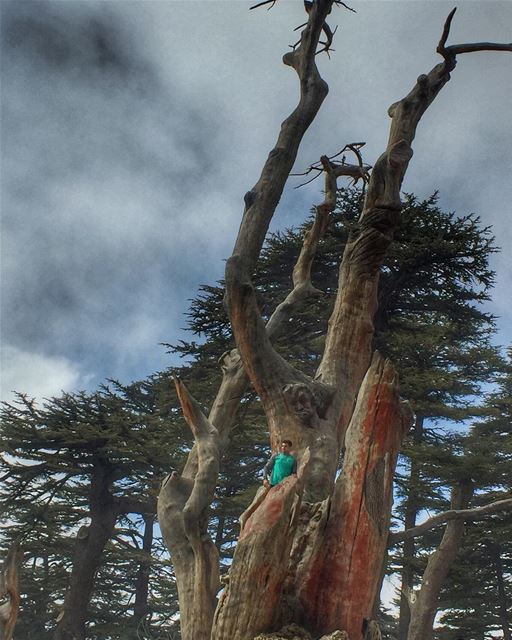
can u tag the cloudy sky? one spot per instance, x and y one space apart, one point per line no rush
132 129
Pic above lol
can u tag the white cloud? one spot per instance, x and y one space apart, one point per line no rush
37 375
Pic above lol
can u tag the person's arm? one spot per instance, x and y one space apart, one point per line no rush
267 470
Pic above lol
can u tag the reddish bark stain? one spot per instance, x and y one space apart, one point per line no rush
340 588
270 511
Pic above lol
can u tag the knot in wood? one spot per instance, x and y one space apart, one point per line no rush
250 198
304 402
229 360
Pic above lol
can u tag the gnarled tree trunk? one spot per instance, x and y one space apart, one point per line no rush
310 549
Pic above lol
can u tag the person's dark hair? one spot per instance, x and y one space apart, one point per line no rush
288 442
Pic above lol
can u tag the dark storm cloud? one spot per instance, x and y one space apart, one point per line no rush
99 159
131 131
54 38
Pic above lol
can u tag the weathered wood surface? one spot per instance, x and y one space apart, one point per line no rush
340 587
337 556
183 506
258 571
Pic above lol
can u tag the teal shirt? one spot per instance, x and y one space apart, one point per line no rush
284 466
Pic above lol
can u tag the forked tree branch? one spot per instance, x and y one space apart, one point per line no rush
267 369
449 53
234 379
446 516
183 516
262 199
356 172
351 322
206 437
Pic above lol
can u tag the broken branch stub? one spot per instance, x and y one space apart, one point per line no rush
183 506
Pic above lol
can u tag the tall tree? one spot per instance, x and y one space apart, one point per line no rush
315 543
478 593
78 469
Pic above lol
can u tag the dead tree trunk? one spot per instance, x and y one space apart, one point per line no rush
267 531
312 548
183 515
349 558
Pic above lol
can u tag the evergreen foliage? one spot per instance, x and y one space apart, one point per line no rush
52 452
478 595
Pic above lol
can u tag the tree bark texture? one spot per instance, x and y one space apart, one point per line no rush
339 587
183 506
256 577
424 606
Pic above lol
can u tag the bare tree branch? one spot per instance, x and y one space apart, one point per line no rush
449 53
206 437
235 380
446 31
261 4
301 277
351 322
456 49
262 199
183 506
441 518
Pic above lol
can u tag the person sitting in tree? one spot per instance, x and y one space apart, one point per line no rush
280 466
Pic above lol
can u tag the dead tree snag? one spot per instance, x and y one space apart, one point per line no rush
314 556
